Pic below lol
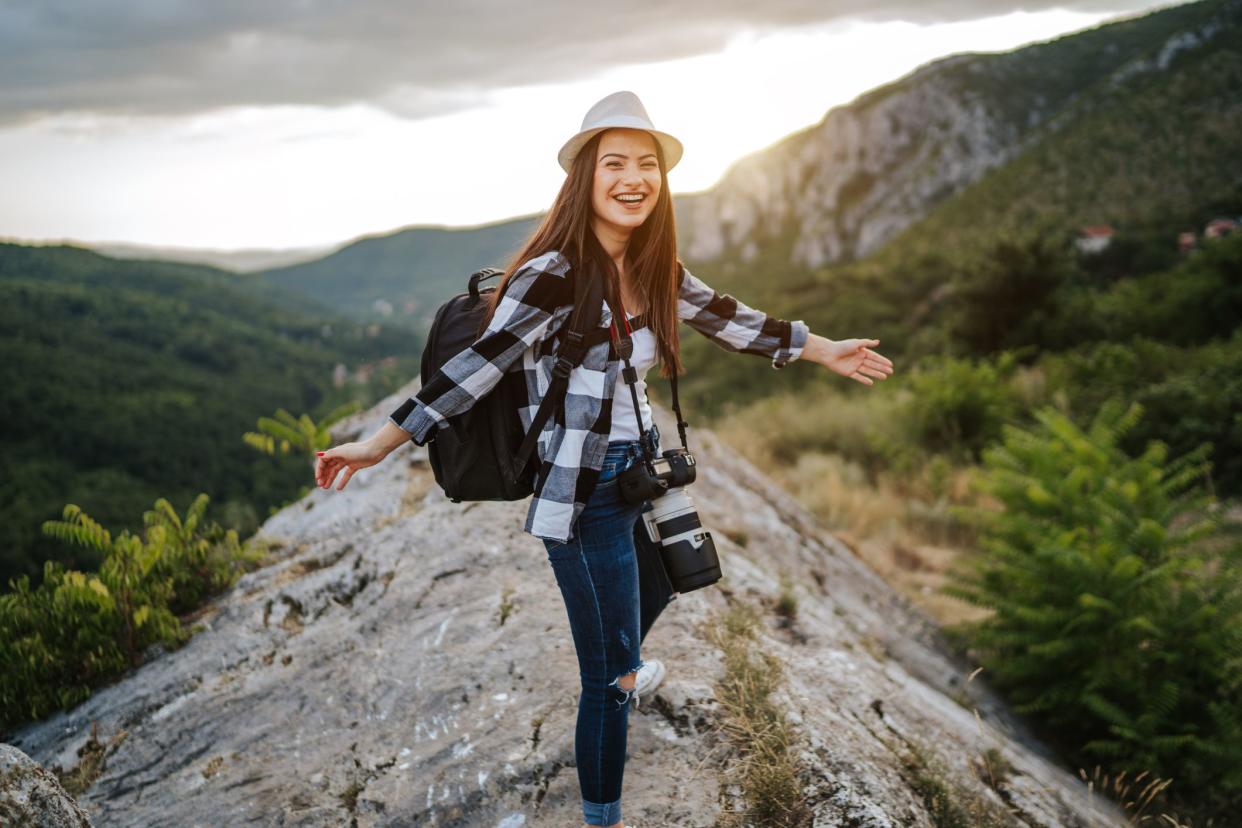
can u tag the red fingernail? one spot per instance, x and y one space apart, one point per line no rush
320 453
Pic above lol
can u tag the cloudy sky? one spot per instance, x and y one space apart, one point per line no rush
287 123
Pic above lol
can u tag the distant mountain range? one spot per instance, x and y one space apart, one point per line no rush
245 260
402 277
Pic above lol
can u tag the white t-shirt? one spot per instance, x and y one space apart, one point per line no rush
624 424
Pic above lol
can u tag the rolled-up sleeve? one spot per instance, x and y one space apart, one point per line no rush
520 320
737 327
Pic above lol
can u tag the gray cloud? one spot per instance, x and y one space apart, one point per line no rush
415 59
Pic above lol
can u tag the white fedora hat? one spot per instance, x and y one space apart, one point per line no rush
620 109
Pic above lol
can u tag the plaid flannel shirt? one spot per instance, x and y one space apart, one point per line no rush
522 336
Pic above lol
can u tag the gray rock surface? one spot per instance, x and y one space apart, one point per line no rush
368 679
31 796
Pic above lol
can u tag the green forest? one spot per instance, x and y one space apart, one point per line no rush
128 381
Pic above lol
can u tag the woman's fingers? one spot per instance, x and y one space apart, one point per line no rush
875 362
325 470
872 370
872 356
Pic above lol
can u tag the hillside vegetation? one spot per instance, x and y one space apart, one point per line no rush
126 382
994 268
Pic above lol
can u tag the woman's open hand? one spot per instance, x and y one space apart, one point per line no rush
347 456
851 358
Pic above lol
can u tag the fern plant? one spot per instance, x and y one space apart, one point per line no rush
198 559
286 433
1117 601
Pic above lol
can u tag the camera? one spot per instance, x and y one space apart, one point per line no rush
672 523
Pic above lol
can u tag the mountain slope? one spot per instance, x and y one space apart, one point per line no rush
839 190
403 276
1151 149
1155 141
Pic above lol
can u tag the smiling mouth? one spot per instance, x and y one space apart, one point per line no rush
633 203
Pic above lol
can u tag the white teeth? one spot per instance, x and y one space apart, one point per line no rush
628 198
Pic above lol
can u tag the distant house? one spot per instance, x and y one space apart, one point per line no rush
1093 238
1218 227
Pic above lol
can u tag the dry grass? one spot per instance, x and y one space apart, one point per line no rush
948 804
763 763
93 759
507 606
898 524
1139 797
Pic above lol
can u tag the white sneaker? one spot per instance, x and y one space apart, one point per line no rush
648 679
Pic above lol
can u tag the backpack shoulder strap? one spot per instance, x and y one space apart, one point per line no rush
588 300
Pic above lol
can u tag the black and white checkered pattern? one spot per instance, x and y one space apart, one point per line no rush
522 337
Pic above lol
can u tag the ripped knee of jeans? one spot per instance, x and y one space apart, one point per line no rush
629 694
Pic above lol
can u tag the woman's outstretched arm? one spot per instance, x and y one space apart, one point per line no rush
737 327
740 328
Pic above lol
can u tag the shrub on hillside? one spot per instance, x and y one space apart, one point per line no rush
78 630
1117 601
958 406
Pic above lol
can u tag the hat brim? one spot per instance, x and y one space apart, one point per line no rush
672 147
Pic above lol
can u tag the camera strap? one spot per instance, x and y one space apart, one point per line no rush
624 345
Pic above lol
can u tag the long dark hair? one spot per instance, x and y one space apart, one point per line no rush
650 258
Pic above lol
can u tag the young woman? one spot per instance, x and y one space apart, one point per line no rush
614 209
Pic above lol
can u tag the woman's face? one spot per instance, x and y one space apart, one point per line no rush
625 164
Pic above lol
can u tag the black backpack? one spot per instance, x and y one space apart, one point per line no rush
483 453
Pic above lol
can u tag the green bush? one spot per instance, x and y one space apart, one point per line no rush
958 406
1189 395
1117 598
78 630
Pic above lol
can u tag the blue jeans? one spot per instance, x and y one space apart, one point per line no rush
615 586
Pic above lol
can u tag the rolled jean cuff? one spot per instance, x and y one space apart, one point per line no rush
596 814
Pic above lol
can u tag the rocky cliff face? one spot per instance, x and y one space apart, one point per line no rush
839 189
410 663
